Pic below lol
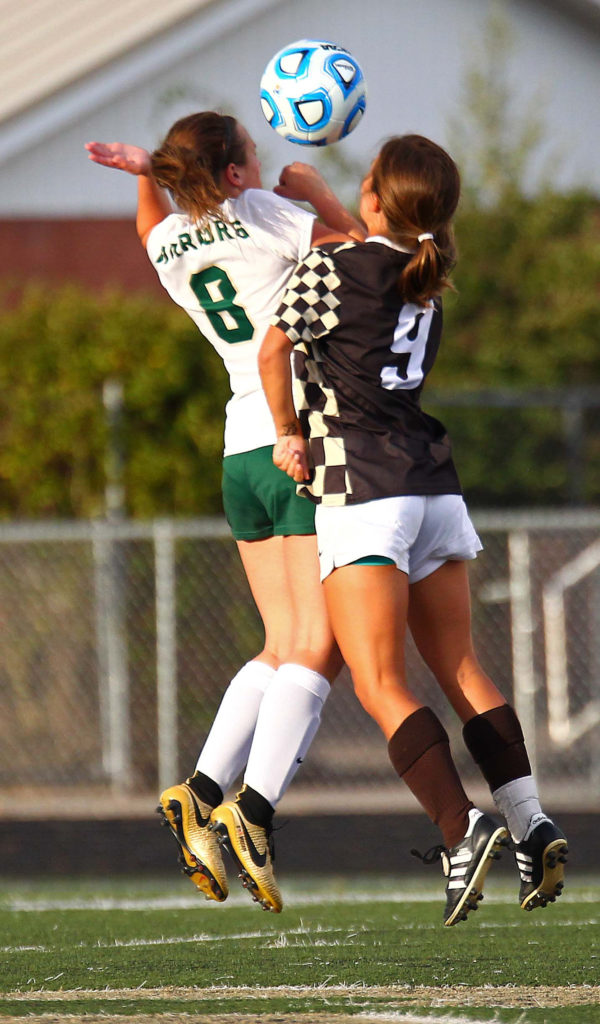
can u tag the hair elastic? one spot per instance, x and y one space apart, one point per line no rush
426 234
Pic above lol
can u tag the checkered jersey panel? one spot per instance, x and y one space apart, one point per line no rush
361 354
310 301
308 312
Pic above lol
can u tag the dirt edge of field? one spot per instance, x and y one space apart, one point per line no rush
394 1000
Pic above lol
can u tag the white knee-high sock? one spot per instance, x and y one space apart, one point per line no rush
519 803
228 743
288 719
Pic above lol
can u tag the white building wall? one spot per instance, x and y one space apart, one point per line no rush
414 55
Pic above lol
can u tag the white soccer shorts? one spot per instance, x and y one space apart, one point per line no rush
419 533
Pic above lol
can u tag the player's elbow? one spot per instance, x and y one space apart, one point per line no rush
274 346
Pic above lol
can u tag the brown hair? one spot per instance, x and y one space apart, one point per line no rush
191 159
418 186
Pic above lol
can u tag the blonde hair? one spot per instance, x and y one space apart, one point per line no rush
418 186
191 159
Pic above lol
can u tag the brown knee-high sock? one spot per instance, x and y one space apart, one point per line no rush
495 741
420 752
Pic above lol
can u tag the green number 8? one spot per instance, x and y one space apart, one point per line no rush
216 295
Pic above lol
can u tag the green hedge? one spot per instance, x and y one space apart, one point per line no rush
57 348
528 283
525 316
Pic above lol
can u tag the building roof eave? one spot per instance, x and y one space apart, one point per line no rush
131 69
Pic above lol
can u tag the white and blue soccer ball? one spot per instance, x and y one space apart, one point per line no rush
313 92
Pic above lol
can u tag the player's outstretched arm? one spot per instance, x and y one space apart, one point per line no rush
121 156
274 365
302 182
153 202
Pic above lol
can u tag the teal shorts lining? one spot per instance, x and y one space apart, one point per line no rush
373 560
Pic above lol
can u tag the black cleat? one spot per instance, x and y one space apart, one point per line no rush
467 864
541 860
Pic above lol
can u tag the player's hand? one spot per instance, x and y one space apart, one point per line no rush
290 454
121 156
300 181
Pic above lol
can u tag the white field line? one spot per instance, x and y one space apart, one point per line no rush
318 936
270 939
235 900
24 949
292 902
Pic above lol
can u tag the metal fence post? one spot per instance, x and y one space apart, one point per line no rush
112 657
166 651
519 570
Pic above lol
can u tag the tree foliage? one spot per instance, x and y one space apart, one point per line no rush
525 320
525 317
526 310
57 348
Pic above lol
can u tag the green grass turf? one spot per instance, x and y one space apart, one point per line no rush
336 940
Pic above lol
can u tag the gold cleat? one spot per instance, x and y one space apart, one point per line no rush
251 847
188 817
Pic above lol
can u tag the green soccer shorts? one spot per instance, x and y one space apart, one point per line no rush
260 500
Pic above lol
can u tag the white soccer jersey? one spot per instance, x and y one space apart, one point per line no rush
229 276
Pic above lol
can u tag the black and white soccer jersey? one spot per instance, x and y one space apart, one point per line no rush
361 357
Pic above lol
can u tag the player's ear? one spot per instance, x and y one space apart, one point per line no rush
375 202
232 175
372 202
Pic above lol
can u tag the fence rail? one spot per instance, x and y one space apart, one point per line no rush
120 637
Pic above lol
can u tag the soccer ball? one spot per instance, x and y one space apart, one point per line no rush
313 92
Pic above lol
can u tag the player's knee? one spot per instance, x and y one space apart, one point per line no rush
324 658
375 690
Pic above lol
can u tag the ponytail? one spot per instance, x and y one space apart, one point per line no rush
427 273
418 186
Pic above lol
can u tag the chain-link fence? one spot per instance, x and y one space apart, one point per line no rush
118 640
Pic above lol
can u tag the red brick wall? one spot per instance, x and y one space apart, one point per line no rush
97 254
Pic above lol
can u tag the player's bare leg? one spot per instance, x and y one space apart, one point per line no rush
290 711
439 617
378 597
313 644
440 621
264 566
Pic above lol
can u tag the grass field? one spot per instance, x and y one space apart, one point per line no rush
364 949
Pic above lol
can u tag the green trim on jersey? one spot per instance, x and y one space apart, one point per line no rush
260 500
373 560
